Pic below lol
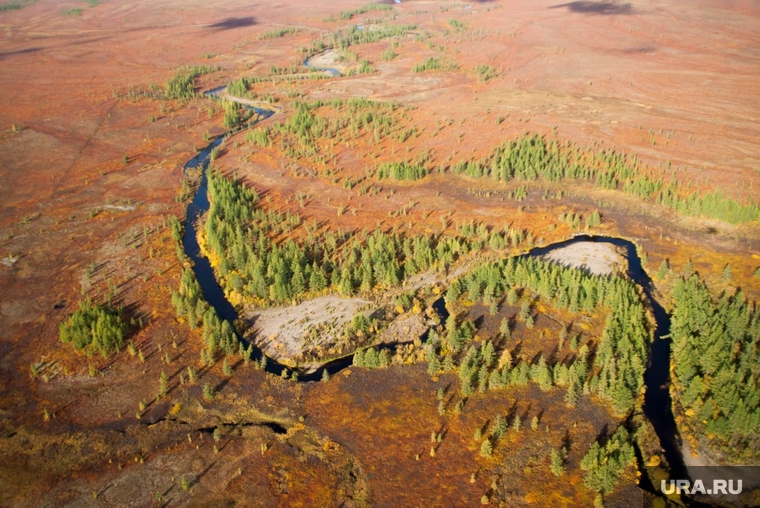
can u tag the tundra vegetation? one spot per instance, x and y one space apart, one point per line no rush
716 380
530 351
268 257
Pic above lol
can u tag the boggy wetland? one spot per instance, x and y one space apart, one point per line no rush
378 254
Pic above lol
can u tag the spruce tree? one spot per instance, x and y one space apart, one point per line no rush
688 269
727 275
557 462
662 272
524 310
486 448
505 329
487 353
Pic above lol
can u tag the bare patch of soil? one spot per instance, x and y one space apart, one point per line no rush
405 328
91 160
597 258
282 332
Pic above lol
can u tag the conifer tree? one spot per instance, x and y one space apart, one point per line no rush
604 464
662 272
488 354
727 275
557 461
505 329
688 269
486 448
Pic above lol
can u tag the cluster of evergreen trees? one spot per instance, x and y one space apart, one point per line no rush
372 358
353 36
94 327
251 263
401 170
181 85
486 72
239 88
370 7
620 357
218 335
528 157
604 464
458 26
279 32
716 376
365 67
433 63
235 114
355 118
282 70
531 157
260 136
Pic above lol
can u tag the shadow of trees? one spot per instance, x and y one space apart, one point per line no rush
601 8
231 23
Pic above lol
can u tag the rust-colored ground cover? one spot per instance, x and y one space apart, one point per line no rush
91 169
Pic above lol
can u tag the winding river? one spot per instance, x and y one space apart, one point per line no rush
212 292
329 70
657 403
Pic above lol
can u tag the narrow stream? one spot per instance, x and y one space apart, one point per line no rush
212 292
333 72
201 266
657 402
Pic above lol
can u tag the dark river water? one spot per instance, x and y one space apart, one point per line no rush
657 402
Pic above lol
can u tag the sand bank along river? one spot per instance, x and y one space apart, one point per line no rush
600 255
